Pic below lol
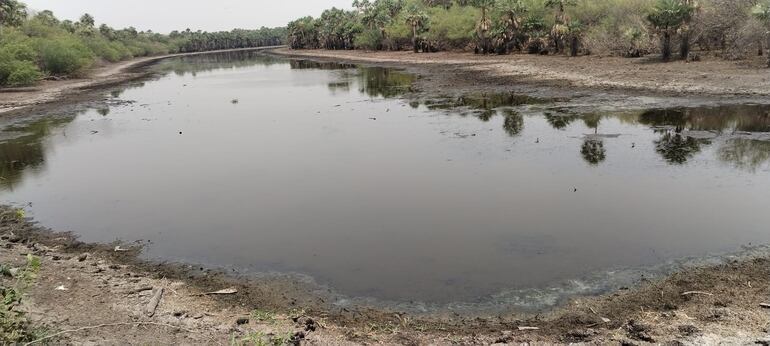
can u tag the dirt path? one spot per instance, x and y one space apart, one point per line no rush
12 99
711 76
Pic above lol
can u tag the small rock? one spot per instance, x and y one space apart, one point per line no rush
639 331
308 323
580 335
297 338
688 330
719 314
56 258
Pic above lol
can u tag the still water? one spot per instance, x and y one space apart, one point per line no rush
269 165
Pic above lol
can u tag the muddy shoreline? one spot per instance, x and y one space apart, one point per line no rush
727 307
463 72
54 94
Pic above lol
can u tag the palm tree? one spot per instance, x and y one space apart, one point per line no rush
560 28
512 12
667 16
484 23
418 19
574 31
762 12
684 44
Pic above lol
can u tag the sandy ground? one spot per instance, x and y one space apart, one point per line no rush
711 76
93 294
100 77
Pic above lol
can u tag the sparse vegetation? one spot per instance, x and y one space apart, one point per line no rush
263 316
14 327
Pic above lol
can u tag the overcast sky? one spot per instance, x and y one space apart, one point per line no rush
167 15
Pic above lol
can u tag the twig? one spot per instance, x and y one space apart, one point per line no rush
697 292
765 305
103 326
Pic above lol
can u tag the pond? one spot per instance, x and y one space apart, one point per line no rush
336 172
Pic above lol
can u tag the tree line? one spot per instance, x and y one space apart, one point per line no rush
733 29
39 45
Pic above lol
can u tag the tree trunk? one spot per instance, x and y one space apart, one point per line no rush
666 46
414 38
684 46
575 45
767 46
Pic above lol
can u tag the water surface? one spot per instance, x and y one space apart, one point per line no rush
334 171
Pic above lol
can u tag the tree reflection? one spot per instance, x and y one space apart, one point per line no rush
593 151
560 121
24 152
486 115
747 154
592 121
675 148
722 119
513 122
384 82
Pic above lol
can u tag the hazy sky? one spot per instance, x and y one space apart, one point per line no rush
168 15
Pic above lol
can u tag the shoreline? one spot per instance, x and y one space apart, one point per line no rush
13 100
110 283
711 77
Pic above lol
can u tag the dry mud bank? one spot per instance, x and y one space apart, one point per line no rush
711 76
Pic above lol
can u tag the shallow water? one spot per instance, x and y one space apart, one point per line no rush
265 164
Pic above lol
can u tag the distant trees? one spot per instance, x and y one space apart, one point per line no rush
629 28
12 13
32 47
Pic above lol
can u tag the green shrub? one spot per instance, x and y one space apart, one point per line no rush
368 39
64 55
454 27
24 73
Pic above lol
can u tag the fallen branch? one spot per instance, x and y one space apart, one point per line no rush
154 301
48 337
765 305
224 291
697 293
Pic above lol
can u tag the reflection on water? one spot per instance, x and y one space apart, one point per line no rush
343 173
25 150
746 154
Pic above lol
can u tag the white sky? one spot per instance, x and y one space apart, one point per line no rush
167 15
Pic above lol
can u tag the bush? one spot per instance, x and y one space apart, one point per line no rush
24 73
454 27
61 56
369 39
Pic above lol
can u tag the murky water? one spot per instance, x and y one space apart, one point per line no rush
265 164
